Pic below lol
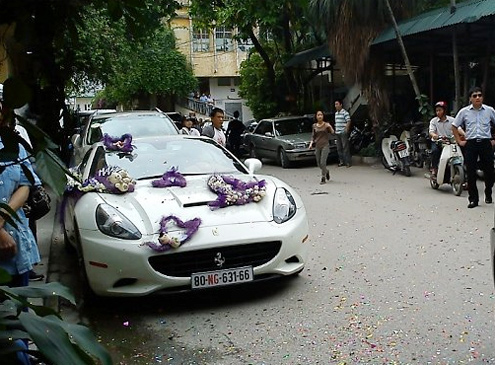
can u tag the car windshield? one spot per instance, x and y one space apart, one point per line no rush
293 126
139 125
151 160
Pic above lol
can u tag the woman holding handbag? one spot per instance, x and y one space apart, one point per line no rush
18 248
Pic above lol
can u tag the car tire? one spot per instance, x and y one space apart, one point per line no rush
252 152
88 296
283 160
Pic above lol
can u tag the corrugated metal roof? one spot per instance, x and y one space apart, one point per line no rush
466 12
309 55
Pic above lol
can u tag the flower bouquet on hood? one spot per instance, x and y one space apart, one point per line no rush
112 179
120 144
232 191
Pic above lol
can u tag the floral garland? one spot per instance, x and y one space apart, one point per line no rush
167 242
232 191
171 178
121 144
112 179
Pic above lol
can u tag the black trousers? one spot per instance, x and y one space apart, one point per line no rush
482 149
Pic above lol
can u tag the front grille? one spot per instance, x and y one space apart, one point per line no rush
183 264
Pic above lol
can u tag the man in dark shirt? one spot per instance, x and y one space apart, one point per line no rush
234 132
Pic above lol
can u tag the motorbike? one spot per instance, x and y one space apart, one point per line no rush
395 155
450 167
360 138
417 144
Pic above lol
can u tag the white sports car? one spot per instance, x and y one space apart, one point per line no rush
182 235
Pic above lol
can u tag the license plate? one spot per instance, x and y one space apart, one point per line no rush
211 279
403 153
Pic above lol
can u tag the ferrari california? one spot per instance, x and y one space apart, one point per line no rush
180 213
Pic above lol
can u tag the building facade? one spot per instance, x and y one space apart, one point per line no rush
215 57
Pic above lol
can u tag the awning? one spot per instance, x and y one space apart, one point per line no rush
474 20
304 57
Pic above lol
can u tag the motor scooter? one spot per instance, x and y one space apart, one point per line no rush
450 167
360 138
395 155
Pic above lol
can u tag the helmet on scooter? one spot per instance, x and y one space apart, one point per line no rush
441 104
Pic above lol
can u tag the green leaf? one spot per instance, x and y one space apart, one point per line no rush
12 334
43 291
5 277
38 137
85 339
50 337
15 93
10 216
51 171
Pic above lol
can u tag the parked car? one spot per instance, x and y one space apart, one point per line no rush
139 123
250 124
233 245
284 139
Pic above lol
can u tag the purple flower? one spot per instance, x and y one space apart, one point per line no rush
232 191
171 178
123 143
165 242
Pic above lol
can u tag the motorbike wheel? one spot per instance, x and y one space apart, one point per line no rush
407 171
385 163
458 180
433 183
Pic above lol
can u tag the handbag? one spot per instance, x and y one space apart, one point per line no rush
37 204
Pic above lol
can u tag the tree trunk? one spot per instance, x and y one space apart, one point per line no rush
404 53
457 74
266 58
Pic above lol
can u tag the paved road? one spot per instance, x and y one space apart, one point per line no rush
398 274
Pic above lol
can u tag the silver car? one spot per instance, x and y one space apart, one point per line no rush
285 139
140 123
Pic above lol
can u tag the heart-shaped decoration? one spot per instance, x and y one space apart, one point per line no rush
166 241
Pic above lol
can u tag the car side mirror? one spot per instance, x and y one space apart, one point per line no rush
76 139
253 165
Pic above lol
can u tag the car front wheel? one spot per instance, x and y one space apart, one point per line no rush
283 160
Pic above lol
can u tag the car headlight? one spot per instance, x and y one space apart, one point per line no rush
300 145
113 223
284 206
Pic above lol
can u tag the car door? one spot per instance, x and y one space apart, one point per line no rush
263 139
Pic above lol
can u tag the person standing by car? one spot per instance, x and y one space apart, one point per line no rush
320 140
477 119
215 130
342 128
18 248
234 132
187 127
440 126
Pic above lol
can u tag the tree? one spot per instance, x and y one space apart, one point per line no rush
147 68
277 29
43 46
352 27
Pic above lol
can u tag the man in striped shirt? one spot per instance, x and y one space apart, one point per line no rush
342 129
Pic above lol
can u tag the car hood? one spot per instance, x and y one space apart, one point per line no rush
147 205
296 138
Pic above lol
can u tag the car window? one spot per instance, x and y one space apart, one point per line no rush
84 161
136 125
151 160
293 126
263 127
